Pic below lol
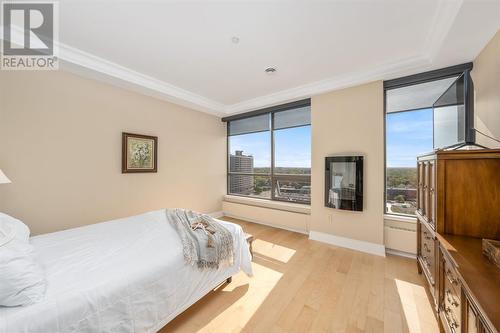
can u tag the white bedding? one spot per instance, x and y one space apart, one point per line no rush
125 275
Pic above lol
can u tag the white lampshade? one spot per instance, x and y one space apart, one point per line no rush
3 178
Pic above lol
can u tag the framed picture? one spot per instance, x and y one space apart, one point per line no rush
139 153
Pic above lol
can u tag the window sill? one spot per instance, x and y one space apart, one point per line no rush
278 205
399 218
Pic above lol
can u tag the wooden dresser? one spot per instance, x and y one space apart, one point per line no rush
458 205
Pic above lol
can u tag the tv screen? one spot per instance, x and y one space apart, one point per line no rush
450 116
344 182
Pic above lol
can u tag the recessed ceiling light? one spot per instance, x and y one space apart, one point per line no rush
235 40
270 70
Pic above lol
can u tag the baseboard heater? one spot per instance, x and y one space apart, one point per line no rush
400 239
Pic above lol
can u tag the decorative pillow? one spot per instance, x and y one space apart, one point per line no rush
10 225
22 281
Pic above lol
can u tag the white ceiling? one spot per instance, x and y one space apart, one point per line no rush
182 51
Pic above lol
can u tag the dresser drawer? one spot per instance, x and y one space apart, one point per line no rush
428 253
451 280
451 307
428 257
451 296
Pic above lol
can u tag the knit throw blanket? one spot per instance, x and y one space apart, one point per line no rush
205 242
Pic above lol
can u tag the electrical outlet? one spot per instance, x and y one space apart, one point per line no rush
330 218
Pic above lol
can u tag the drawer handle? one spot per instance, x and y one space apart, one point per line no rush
453 323
451 299
451 278
426 261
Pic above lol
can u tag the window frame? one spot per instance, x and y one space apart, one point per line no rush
438 74
272 175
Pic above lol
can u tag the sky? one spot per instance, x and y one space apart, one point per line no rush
408 134
292 147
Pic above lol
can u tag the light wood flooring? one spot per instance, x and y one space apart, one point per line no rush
301 285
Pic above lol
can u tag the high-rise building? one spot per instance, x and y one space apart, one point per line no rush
242 184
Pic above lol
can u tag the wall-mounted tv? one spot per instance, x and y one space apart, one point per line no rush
344 182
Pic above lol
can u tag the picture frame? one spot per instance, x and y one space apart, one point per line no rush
139 153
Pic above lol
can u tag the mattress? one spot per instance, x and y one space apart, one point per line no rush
125 275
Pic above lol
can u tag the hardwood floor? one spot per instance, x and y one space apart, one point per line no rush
301 285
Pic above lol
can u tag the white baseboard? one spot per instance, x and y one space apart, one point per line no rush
401 253
349 243
216 215
300 231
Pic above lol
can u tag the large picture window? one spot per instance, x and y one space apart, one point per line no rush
423 112
408 134
269 154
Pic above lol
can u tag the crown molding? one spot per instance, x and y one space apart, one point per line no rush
94 67
390 70
442 21
91 66
137 81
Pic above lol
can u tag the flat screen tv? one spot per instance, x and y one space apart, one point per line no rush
453 114
344 182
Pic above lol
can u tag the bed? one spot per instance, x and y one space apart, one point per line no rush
125 275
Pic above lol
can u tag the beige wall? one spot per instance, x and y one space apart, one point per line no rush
486 76
344 122
60 144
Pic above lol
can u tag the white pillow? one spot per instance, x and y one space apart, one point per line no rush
22 281
10 225
7 233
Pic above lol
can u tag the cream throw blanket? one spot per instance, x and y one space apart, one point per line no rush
205 242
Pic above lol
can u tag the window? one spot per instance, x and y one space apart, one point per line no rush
269 154
408 134
422 112
250 164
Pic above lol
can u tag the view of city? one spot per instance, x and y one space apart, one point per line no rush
401 191
409 134
291 184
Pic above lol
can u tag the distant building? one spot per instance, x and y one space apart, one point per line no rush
241 184
288 192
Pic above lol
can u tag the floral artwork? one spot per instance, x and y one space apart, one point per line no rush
139 153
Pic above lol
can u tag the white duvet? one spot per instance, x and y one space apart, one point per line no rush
126 275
